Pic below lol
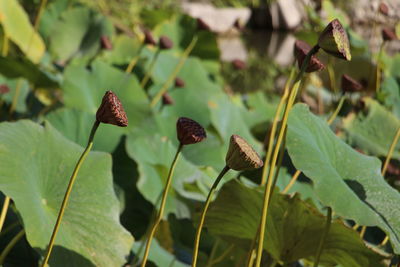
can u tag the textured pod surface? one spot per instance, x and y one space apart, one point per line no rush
350 85
111 111
334 40
301 50
189 131
241 156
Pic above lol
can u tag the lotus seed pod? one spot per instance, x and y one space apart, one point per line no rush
189 131
333 40
350 85
241 156
167 99
111 111
105 42
179 82
388 34
202 25
238 64
383 9
148 37
165 42
301 50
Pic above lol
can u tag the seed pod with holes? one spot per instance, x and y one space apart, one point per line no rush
111 111
241 156
301 50
333 40
189 131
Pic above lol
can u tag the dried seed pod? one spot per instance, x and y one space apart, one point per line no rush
148 37
333 40
238 64
388 34
167 99
105 42
383 9
202 25
111 111
165 42
189 131
241 156
179 82
301 50
350 85
4 89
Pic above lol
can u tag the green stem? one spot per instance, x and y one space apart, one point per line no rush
203 214
134 60
68 192
337 110
223 255
175 72
212 254
391 150
15 97
323 237
378 68
4 211
162 206
150 69
10 245
268 188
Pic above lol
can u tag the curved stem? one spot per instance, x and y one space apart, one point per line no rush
337 110
175 72
162 206
39 14
223 255
68 192
15 96
10 245
268 188
390 153
4 211
292 181
150 69
203 214
384 241
134 60
363 230
323 237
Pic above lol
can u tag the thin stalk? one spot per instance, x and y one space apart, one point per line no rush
162 206
134 60
15 97
331 74
10 245
175 72
203 214
212 254
223 255
68 192
4 211
363 230
274 127
378 68
268 188
384 241
323 237
39 14
391 150
355 227
4 47
147 75
292 181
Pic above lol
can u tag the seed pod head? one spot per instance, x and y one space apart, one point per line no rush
241 156
238 64
388 34
111 111
105 42
202 25
189 131
301 50
4 89
167 99
383 9
179 82
148 37
350 85
333 40
165 42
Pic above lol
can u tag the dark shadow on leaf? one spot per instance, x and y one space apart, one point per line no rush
61 257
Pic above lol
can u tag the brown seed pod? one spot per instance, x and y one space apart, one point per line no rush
383 9
167 99
333 40
350 85
189 131
111 111
301 50
165 42
388 34
148 37
238 64
4 89
202 25
241 156
105 42
179 82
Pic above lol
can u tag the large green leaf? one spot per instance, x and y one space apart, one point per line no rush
293 231
16 25
373 132
36 163
344 179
